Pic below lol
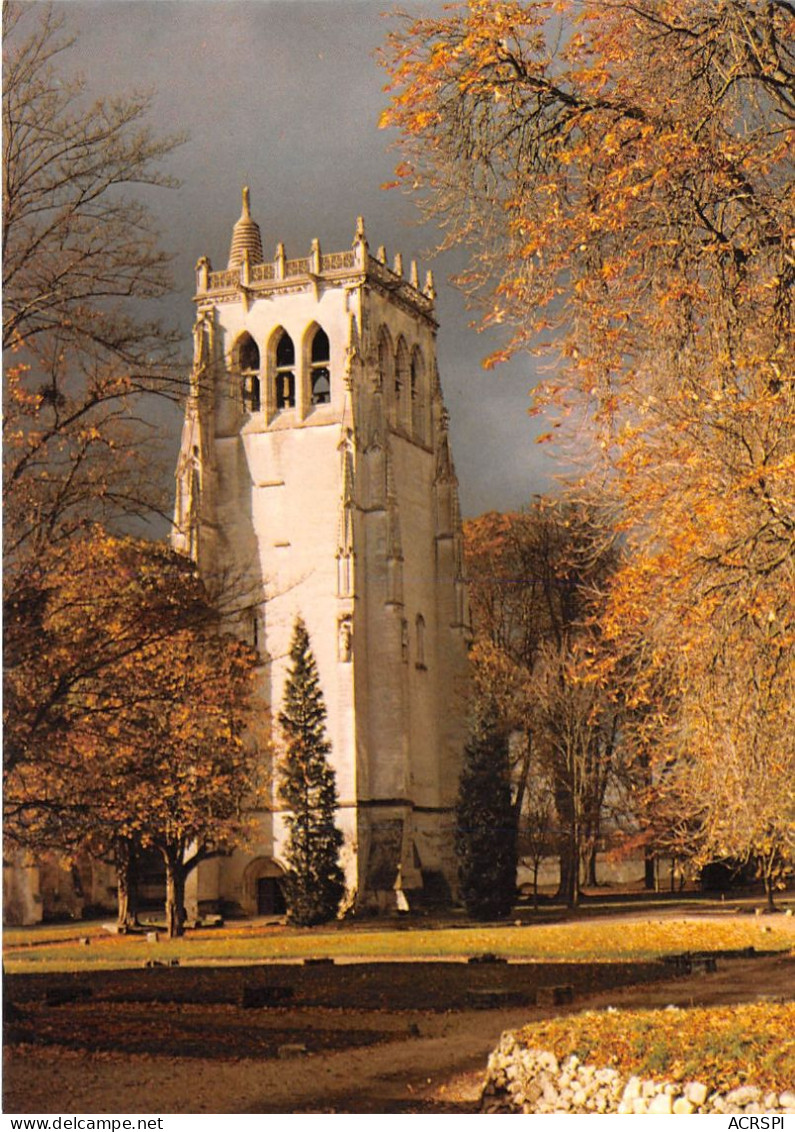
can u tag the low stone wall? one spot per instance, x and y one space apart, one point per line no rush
525 1080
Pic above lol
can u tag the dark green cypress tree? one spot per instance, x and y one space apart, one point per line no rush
315 883
485 823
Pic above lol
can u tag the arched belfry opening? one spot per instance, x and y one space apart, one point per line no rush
284 373
319 368
247 363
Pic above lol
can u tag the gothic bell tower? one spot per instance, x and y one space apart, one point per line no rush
315 478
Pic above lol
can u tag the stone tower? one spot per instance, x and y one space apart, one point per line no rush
315 478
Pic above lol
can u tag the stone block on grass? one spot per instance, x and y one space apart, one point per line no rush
254 997
555 996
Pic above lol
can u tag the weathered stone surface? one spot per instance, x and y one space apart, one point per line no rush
531 1081
661 1103
745 1094
633 1088
696 1092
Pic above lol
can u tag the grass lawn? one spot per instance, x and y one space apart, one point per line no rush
58 949
721 1046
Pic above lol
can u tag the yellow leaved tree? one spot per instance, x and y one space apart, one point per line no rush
621 174
127 714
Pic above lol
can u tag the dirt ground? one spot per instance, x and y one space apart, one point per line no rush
348 1038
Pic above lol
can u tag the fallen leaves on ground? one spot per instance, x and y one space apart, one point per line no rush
722 1046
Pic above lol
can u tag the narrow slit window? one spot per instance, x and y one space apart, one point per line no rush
319 369
420 629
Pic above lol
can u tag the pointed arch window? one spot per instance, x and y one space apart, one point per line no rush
248 367
402 379
418 396
285 373
385 360
320 374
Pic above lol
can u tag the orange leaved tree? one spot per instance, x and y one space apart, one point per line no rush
621 174
126 712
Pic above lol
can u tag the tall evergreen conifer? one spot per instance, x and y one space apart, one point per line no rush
486 825
315 883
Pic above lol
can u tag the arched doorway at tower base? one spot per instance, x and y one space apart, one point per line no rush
263 888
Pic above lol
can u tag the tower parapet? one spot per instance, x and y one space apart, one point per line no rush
282 275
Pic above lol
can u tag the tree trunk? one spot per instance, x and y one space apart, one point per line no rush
176 874
524 772
649 871
768 868
590 872
574 895
127 874
569 887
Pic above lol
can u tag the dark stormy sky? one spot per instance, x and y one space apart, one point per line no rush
285 95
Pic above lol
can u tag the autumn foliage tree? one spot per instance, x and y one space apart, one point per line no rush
81 261
125 725
81 267
538 580
188 772
621 174
576 725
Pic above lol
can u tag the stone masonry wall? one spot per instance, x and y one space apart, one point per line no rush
525 1080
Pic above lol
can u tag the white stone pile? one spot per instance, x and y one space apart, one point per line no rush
525 1080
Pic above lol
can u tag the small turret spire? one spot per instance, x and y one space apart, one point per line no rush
360 245
246 236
